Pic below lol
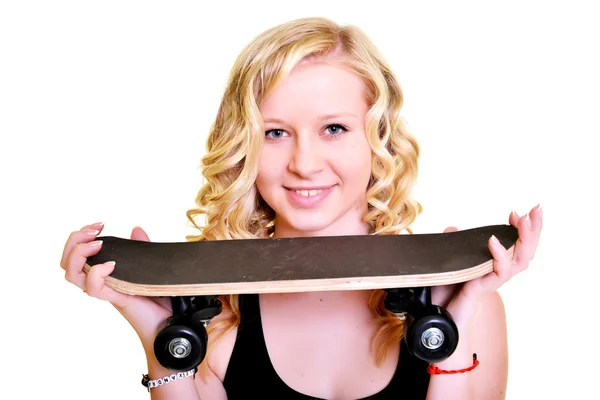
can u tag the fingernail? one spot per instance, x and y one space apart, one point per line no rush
527 221
98 224
495 239
111 263
539 207
96 243
91 232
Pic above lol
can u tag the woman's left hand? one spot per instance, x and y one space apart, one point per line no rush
505 267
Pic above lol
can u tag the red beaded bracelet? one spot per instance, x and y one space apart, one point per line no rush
436 371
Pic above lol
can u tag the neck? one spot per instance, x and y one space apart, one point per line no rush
328 302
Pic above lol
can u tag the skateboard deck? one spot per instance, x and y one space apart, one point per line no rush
300 264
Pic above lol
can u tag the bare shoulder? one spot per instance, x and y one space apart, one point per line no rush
217 359
489 341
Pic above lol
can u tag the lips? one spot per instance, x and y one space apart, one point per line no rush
308 187
308 197
309 192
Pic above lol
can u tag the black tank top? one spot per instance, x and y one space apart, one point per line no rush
250 374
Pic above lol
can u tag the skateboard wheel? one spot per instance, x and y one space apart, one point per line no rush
434 336
181 347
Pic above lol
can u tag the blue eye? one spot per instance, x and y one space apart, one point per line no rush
336 129
276 133
332 130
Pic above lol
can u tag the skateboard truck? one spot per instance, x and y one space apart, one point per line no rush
180 345
432 336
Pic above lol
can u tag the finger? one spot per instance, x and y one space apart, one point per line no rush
526 243
502 272
78 257
502 267
76 279
513 219
84 235
138 233
95 284
536 219
502 259
95 225
451 229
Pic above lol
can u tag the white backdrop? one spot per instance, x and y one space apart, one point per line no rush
104 110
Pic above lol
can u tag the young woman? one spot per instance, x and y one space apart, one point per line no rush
309 141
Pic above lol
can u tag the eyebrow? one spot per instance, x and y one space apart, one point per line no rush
320 118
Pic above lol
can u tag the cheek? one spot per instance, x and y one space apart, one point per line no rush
355 164
269 170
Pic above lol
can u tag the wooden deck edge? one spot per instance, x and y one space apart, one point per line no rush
290 286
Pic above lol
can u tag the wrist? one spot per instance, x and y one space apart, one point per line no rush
155 368
158 377
166 379
463 310
462 357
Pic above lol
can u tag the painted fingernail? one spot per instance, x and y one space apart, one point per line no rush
98 224
527 221
96 243
539 207
111 263
91 232
495 239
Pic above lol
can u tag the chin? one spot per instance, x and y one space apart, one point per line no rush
309 224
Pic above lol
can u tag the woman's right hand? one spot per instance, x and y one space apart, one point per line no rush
145 314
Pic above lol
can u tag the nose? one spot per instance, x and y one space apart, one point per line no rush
307 159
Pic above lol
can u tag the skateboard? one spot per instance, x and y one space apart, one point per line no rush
195 274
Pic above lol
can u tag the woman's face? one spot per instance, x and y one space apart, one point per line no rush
315 164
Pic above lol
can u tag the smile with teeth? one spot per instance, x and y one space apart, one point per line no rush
309 193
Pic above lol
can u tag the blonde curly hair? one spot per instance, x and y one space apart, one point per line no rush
229 199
